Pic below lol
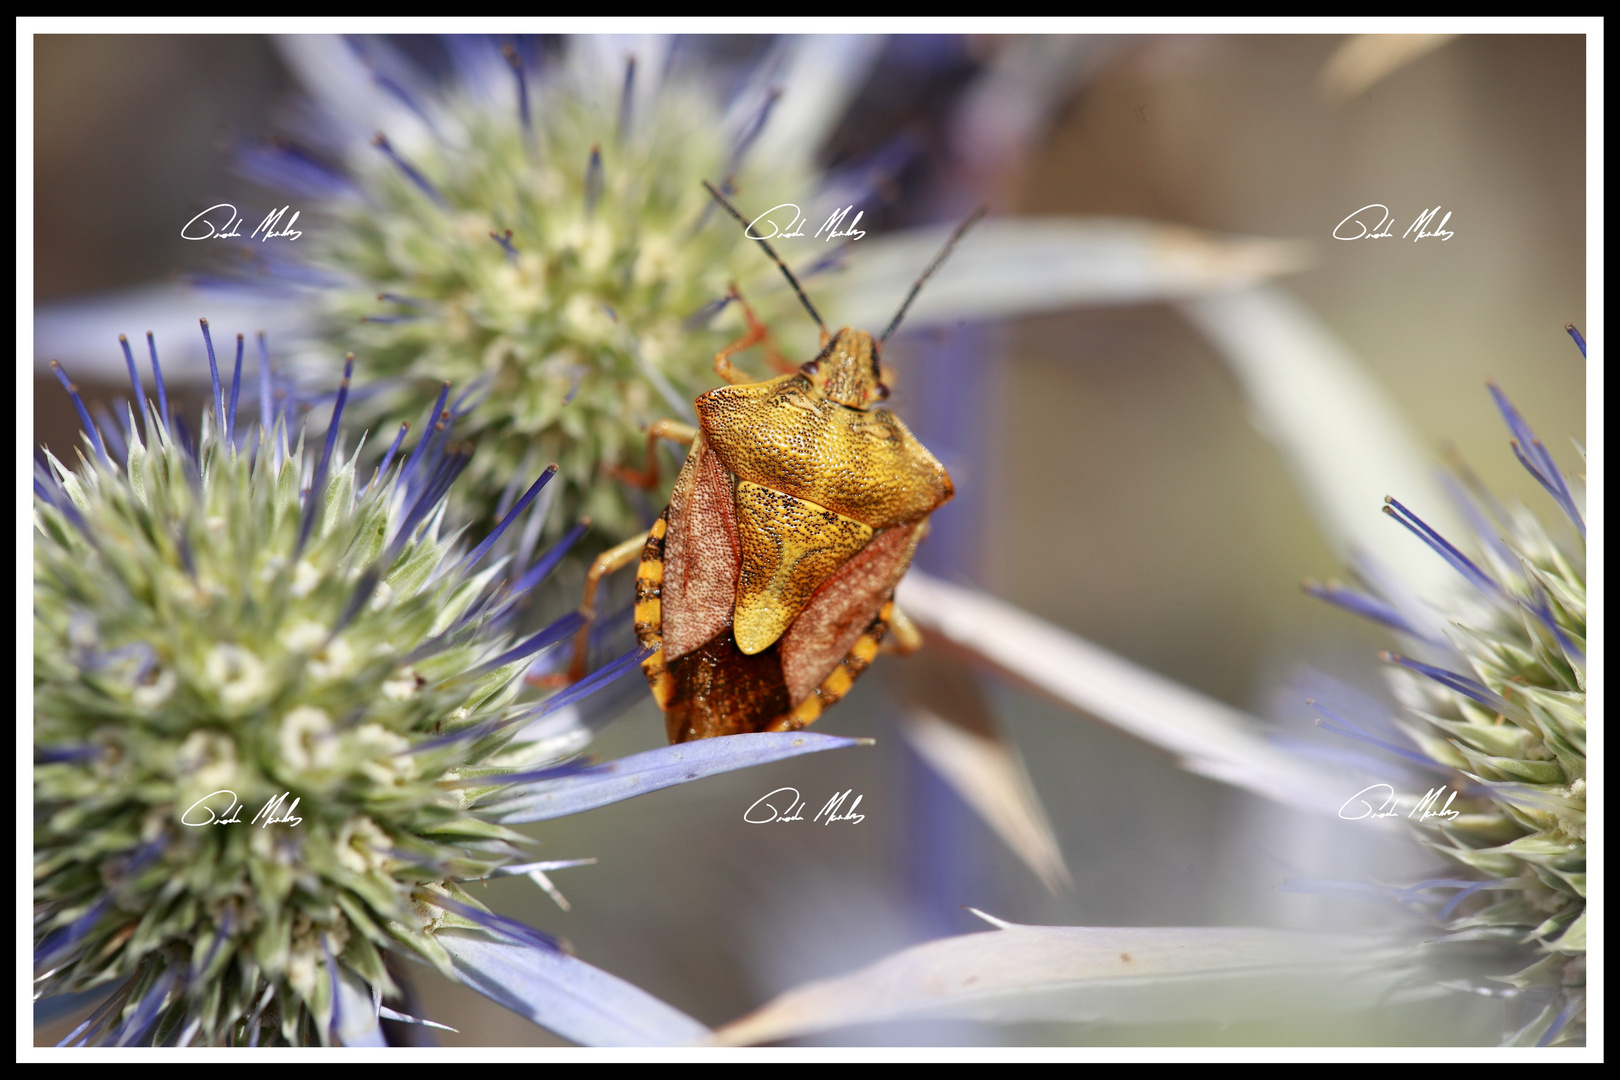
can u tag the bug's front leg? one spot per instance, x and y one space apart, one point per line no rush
675 432
756 334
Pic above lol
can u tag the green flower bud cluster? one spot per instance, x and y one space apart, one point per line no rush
227 634
1500 696
1524 745
568 268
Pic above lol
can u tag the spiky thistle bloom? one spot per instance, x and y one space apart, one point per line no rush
1499 695
535 229
277 723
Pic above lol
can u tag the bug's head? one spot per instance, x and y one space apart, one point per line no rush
848 371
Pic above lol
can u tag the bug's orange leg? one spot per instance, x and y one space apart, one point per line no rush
612 559
675 432
755 335
903 637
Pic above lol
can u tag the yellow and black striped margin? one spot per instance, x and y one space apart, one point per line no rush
650 612
837 684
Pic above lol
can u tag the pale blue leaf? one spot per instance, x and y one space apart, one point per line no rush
665 767
1207 736
83 333
566 995
1120 975
1012 266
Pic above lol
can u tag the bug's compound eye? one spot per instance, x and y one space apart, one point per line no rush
882 393
813 367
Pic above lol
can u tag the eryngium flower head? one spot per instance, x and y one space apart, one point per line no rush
536 229
233 627
1500 696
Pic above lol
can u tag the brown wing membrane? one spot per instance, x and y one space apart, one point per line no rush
701 553
842 608
841 678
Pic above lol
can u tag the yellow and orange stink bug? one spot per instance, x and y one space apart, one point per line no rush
767 584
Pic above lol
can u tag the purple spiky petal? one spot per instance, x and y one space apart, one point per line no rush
1365 605
380 141
1580 342
1535 458
281 165
1560 1021
593 180
1442 547
544 565
751 132
157 377
1462 684
626 97
436 418
134 380
522 504
1468 889
146 1011
557 631
433 490
515 62
236 389
213 378
84 414
703 315
1349 729
317 488
388 456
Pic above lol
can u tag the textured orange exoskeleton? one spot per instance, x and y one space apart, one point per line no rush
767 584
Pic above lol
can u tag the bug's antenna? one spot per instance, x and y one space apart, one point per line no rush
928 273
777 259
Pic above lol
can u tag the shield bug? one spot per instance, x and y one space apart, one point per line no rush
766 586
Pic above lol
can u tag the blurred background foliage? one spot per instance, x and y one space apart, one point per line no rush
1123 493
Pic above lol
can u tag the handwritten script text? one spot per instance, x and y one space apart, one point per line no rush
784 805
273 812
207 226
1358 805
768 225
1375 222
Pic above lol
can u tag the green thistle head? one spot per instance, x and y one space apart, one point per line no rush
547 243
239 630
1500 696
